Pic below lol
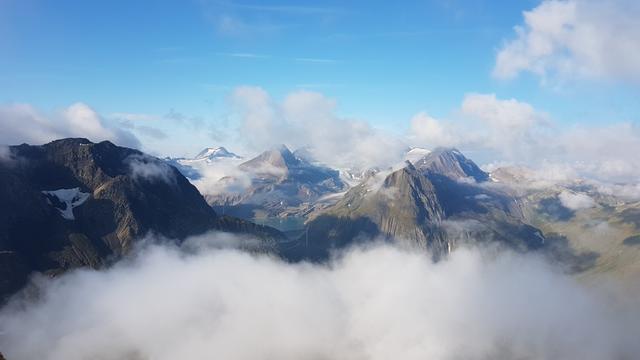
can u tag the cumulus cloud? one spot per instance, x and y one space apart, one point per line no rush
506 127
144 167
576 201
308 119
506 115
427 130
509 131
378 302
575 38
22 123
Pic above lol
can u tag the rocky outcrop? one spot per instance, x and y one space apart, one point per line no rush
120 195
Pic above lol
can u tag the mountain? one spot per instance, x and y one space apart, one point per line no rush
192 167
430 205
593 227
210 154
451 163
281 184
72 203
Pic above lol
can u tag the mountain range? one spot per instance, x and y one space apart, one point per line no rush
439 201
72 203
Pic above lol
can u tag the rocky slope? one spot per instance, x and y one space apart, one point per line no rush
281 184
436 204
592 228
74 203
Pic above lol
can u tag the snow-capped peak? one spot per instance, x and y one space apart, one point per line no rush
213 153
416 154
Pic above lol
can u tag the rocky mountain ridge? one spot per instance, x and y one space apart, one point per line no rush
72 203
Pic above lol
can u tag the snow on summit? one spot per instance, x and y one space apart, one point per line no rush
212 153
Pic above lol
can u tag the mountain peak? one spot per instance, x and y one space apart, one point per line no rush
279 157
450 162
212 153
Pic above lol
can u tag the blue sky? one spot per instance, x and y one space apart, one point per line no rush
381 61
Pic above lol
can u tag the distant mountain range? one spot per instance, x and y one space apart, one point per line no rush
435 203
73 203
211 154
443 200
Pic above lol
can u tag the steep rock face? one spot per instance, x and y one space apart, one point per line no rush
403 205
281 183
433 206
125 194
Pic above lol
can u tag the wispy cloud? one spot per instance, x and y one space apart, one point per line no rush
251 55
133 116
236 26
290 9
195 122
319 85
246 55
316 60
258 19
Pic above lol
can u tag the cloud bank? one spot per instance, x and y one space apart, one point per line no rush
372 303
22 123
514 132
575 38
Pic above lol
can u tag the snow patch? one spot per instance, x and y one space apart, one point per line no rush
68 199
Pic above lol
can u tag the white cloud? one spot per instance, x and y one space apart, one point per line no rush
507 128
5 153
510 115
221 177
512 131
22 123
374 303
426 130
575 38
144 167
134 117
576 201
309 119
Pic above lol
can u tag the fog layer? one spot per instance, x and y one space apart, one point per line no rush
378 302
